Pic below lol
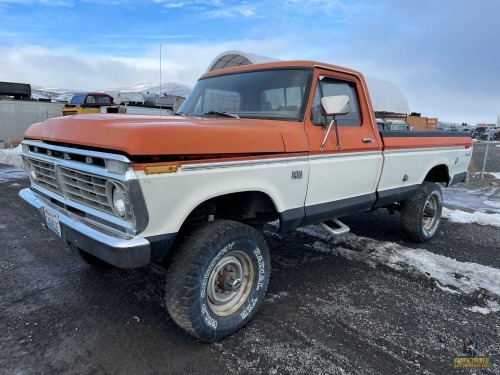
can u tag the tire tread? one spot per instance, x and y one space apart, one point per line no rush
182 278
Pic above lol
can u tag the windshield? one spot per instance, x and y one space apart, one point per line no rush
278 94
77 99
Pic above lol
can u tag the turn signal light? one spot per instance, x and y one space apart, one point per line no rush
161 169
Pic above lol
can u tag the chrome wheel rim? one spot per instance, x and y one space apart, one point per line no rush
430 213
229 283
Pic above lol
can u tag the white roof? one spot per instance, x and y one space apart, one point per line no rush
385 96
237 58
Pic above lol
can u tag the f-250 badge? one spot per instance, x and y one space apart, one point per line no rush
296 174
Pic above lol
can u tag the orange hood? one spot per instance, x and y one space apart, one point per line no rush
152 135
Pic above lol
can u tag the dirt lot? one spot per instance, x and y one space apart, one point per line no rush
331 308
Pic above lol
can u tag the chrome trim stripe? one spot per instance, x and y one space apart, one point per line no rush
296 159
346 155
77 151
81 167
421 149
338 69
244 163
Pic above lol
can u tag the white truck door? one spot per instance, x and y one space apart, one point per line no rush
344 175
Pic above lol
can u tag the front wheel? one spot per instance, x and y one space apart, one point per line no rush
218 279
421 214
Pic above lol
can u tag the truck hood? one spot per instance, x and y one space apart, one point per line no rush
154 135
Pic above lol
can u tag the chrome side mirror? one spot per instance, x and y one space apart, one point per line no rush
335 105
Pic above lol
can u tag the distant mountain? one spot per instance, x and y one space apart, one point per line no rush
169 88
55 94
65 95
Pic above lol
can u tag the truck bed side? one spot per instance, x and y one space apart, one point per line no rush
411 157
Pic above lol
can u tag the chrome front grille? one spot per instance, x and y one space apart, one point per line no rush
97 187
85 188
45 174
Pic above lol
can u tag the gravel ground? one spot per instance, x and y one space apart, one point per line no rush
330 309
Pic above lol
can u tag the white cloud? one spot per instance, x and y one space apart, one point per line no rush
67 68
235 11
174 5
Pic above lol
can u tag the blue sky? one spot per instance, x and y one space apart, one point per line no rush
443 54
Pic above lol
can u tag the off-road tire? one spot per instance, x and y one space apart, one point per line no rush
421 214
206 259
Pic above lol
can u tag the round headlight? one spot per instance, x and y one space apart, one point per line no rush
33 174
119 202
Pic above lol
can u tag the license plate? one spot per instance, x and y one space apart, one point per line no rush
52 220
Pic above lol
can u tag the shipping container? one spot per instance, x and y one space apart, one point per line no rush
17 90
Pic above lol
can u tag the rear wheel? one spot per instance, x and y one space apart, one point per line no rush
218 279
421 214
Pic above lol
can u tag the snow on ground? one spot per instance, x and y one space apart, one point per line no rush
476 217
449 275
483 200
12 156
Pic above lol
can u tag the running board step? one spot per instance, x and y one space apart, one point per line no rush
342 228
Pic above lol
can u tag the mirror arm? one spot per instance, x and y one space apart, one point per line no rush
337 147
332 123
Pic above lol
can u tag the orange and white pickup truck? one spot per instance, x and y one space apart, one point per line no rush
294 141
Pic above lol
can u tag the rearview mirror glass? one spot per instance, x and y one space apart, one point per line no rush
335 105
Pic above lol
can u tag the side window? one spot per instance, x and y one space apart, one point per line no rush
331 87
103 100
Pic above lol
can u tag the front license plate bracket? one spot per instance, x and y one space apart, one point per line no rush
52 220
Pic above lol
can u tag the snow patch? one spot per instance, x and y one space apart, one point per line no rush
457 216
12 156
473 199
491 307
493 204
450 275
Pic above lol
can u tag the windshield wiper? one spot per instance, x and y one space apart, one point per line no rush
180 114
222 114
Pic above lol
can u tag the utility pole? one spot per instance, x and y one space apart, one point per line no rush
489 130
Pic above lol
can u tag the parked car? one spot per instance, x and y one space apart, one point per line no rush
87 102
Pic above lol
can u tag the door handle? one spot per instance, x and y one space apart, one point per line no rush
367 140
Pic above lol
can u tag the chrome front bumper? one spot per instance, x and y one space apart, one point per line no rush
119 250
